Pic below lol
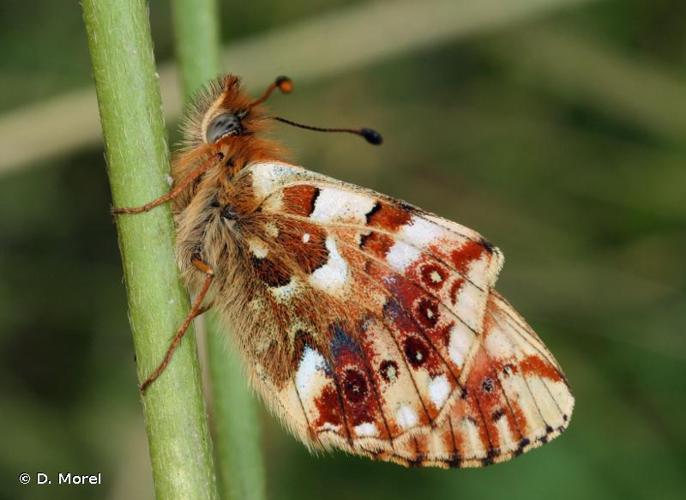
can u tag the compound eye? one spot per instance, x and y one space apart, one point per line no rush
223 125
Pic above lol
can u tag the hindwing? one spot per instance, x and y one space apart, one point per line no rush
376 327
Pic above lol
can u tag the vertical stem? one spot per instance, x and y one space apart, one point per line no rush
136 149
236 419
196 26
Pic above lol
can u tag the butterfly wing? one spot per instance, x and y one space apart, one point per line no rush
376 328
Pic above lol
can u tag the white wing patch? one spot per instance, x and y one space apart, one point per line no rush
421 232
406 417
459 341
286 292
366 429
439 390
266 177
333 275
402 255
311 365
336 205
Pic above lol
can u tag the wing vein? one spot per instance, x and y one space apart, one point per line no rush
377 395
310 430
526 382
341 404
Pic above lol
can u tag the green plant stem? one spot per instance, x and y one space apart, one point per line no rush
137 156
196 31
236 418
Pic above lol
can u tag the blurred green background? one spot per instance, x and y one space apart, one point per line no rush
560 135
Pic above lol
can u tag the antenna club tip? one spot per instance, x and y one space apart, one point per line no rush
285 84
372 136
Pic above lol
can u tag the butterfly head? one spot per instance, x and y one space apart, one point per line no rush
232 112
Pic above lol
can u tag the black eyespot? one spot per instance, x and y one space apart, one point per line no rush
354 386
223 125
389 370
416 351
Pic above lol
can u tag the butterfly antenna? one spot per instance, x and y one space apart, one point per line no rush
370 135
283 83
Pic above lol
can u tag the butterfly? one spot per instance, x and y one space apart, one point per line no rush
366 324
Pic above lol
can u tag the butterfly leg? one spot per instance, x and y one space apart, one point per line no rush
196 310
177 190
